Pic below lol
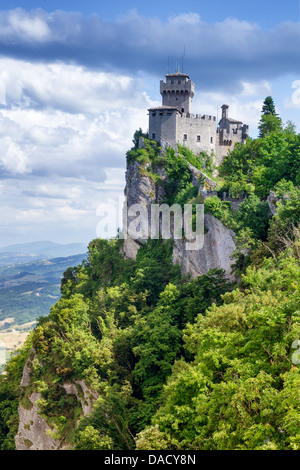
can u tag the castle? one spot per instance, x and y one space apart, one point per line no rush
173 123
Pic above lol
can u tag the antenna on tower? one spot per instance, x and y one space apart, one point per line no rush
168 65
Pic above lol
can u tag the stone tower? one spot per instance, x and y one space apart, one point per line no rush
178 92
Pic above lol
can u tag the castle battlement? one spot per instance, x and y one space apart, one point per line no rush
173 122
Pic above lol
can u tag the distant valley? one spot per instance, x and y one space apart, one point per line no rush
30 276
27 252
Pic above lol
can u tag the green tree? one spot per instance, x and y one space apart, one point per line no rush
136 137
270 121
269 106
240 391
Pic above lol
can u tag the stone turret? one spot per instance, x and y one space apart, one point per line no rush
178 92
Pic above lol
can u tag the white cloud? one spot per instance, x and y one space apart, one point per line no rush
190 19
64 133
27 26
262 88
65 119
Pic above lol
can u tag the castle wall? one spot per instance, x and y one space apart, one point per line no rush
197 132
162 124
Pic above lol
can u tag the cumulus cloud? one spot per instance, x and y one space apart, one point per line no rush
66 120
64 133
218 54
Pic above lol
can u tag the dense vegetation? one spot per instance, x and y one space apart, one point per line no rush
180 363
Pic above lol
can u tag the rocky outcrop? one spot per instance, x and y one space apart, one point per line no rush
216 252
34 433
272 201
218 243
143 190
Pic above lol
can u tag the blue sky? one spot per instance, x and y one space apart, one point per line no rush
266 13
76 79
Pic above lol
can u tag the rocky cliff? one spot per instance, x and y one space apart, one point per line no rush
34 431
219 242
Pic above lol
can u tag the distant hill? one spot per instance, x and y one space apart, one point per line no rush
28 290
26 252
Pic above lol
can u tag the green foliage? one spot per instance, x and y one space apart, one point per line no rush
10 394
196 160
155 269
270 121
149 153
136 137
219 209
261 163
179 177
90 439
178 363
239 392
254 214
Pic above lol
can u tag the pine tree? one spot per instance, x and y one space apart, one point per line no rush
270 121
269 106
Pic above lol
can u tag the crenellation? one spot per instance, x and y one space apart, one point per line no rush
173 122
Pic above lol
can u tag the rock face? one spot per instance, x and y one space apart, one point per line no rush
34 433
216 252
218 243
140 189
272 201
33 429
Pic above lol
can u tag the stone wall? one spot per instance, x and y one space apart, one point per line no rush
197 132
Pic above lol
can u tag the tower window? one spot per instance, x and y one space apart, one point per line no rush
211 140
198 138
184 136
153 135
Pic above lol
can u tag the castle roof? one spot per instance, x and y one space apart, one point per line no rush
161 108
234 121
177 74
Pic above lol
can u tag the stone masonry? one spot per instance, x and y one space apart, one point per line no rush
173 121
